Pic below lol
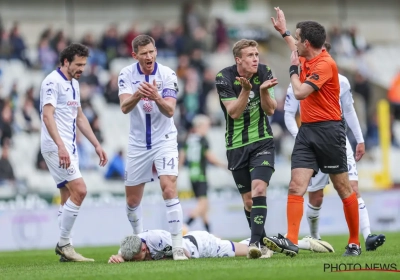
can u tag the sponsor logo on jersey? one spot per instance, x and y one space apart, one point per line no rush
73 103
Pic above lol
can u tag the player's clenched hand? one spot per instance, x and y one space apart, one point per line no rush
269 84
150 90
116 259
102 155
280 21
360 151
246 85
64 158
294 58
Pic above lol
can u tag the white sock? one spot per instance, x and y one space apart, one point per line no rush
313 220
60 210
364 218
175 221
68 217
135 218
303 244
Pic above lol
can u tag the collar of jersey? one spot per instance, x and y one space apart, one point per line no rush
321 55
62 74
152 73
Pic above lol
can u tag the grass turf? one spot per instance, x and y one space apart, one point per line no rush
44 264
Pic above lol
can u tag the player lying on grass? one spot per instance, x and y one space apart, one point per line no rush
156 245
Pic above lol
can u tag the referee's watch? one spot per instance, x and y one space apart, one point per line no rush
287 33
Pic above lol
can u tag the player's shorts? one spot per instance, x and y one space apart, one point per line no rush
206 245
255 161
139 164
200 189
321 146
321 179
60 175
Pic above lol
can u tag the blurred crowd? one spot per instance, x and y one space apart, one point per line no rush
187 43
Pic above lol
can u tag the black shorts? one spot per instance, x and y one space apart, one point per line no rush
199 189
322 146
252 162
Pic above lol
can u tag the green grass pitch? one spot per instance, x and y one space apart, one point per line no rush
44 265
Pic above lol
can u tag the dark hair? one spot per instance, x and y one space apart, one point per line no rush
142 40
313 32
73 50
327 46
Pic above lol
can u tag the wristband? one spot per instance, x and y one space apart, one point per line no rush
294 69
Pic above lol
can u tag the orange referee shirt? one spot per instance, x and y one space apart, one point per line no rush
323 104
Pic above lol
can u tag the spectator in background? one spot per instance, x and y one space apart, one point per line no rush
40 162
6 169
96 56
208 84
90 78
183 65
116 168
221 36
6 123
47 56
95 125
111 91
127 40
110 44
36 100
18 47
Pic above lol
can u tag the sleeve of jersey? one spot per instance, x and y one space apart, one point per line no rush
291 103
225 87
124 83
50 94
170 88
269 76
350 115
322 73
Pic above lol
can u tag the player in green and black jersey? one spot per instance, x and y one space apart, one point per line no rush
247 98
197 154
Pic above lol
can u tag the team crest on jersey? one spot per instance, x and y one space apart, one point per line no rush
159 85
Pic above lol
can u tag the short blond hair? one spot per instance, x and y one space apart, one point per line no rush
199 120
242 44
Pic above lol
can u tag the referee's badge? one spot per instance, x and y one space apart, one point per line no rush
159 85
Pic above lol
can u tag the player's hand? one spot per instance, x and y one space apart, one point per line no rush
116 259
294 58
64 159
102 155
280 21
246 85
360 151
150 90
269 84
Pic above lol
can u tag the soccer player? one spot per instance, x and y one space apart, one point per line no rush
147 92
318 183
247 99
153 245
61 114
321 141
197 153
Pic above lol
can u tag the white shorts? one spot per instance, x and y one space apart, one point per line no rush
60 175
321 179
209 246
139 164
